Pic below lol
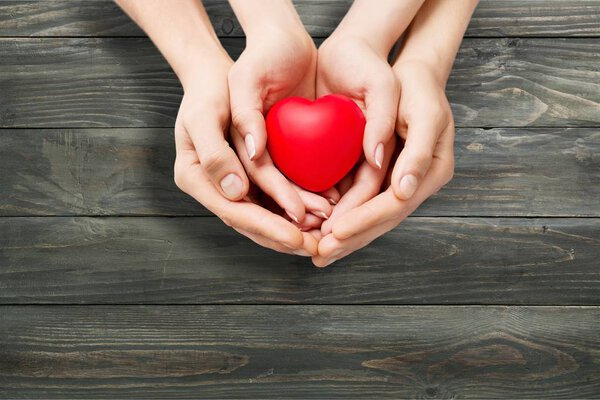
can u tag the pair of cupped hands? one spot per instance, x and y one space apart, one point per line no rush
408 140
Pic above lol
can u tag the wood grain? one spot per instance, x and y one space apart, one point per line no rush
493 18
299 352
126 83
499 172
150 260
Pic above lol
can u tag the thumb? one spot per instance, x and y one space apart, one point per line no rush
219 161
247 112
381 105
415 158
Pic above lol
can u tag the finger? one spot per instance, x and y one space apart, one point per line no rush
217 159
381 102
311 244
241 214
316 233
308 249
314 203
270 180
387 206
332 249
346 183
367 184
416 156
247 111
268 243
332 195
310 222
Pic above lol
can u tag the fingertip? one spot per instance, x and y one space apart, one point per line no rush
316 233
326 227
379 153
342 229
233 187
406 186
369 151
250 144
292 238
259 136
329 247
310 244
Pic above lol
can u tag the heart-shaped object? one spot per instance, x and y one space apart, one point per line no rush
315 143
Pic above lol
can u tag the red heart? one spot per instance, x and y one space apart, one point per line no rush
315 143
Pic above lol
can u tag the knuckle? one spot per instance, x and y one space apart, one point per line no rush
421 160
214 160
203 112
179 176
226 218
449 171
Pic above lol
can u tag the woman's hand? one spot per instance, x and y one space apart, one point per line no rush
279 61
351 66
425 164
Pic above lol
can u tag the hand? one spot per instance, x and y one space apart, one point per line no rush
425 164
278 62
209 170
351 66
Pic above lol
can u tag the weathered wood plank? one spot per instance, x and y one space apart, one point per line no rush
299 352
492 18
186 260
499 172
126 83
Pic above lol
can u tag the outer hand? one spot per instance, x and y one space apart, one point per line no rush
426 125
209 170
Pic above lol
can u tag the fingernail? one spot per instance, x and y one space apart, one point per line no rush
250 146
408 185
321 214
332 201
379 155
232 186
292 216
302 253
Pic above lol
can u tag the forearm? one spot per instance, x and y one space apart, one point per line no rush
382 24
182 32
435 35
259 17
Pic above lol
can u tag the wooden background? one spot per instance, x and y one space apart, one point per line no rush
115 284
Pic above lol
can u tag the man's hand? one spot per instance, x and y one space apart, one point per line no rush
425 164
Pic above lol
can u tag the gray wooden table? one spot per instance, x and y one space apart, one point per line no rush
115 284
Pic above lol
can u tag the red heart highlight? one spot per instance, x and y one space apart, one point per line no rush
315 143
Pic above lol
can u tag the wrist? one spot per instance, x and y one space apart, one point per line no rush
263 18
379 43
199 63
428 59
380 27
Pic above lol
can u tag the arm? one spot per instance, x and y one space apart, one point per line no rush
381 25
436 34
426 58
183 34
424 122
206 167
